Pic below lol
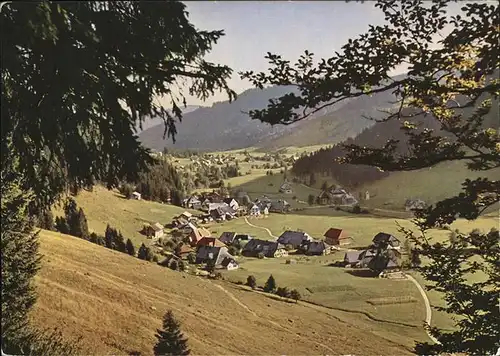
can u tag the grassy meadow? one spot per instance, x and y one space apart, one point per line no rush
115 303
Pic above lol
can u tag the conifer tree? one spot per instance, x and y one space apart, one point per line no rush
130 248
110 237
171 341
120 244
270 286
81 227
62 225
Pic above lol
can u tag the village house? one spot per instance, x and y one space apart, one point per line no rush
296 239
340 196
154 231
197 233
351 258
229 264
221 212
192 203
212 254
210 241
384 240
279 206
255 247
336 237
136 196
318 248
232 203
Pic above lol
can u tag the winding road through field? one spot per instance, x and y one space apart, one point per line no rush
428 309
260 227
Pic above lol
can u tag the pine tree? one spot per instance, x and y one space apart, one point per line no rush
72 217
324 186
62 225
145 253
46 220
110 237
251 282
294 294
130 248
174 265
20 259
171 341
81 226
270 286
120 244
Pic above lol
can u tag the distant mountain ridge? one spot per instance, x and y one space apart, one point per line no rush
156 121
225 126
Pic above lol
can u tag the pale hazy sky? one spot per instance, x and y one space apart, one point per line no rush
253 28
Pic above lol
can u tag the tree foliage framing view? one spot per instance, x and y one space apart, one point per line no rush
77 77
455 81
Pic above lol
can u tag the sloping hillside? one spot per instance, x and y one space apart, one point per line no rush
103 206
115 302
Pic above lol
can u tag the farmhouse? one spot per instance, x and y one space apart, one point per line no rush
192 203
294 238
136 196
197 233
384 240
381 262
212 254
232 203
336 237
227 237
229 264
351 258
210 241
254 210
318 248
340 196
154 231
279 206
268 248
221 211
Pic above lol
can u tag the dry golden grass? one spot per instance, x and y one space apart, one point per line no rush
115 302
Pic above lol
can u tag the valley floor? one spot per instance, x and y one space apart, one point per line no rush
115 302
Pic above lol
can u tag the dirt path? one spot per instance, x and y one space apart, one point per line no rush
428 310
260 227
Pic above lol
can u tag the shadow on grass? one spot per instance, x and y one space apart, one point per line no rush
363 273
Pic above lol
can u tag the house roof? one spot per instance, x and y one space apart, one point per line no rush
228 200
157 227
210 241
187 214
217 254
317 247
200 233
227 237
334 233
185 249
385 238
256 246
295 238
352 256
136 193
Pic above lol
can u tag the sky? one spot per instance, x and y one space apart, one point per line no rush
253 28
